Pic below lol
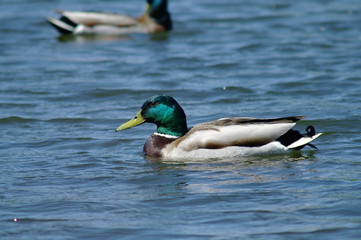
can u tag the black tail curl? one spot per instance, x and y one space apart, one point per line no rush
293 135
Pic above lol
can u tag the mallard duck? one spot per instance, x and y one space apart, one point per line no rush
226 137
155 19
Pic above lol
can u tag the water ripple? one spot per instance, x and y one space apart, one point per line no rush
67 174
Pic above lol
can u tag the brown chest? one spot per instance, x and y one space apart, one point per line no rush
154 145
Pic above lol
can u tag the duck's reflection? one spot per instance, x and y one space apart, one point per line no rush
233 175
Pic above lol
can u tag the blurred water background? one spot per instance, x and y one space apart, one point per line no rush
65 173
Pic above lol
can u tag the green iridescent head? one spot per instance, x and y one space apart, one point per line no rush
165 112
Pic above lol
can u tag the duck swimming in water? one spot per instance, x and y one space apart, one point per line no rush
155 19
222 138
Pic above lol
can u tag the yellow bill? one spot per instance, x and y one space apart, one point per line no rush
137 120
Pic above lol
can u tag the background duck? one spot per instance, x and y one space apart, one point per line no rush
155 19
226 137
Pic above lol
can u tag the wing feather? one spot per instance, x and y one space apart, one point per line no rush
235 132
94 18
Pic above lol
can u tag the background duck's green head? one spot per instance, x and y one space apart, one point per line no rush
165 112
158 10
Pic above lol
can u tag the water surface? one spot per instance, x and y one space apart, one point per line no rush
65 173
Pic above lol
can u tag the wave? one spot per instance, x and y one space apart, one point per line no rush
16 119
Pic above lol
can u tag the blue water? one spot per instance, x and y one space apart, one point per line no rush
65 173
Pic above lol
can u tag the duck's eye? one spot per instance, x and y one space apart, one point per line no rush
153 104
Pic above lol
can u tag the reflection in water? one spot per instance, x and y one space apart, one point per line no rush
109 38
92 38
231 175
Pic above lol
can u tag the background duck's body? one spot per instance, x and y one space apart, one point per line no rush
155 19
226 137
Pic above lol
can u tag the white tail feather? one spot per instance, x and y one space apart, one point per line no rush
303 141
61 24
